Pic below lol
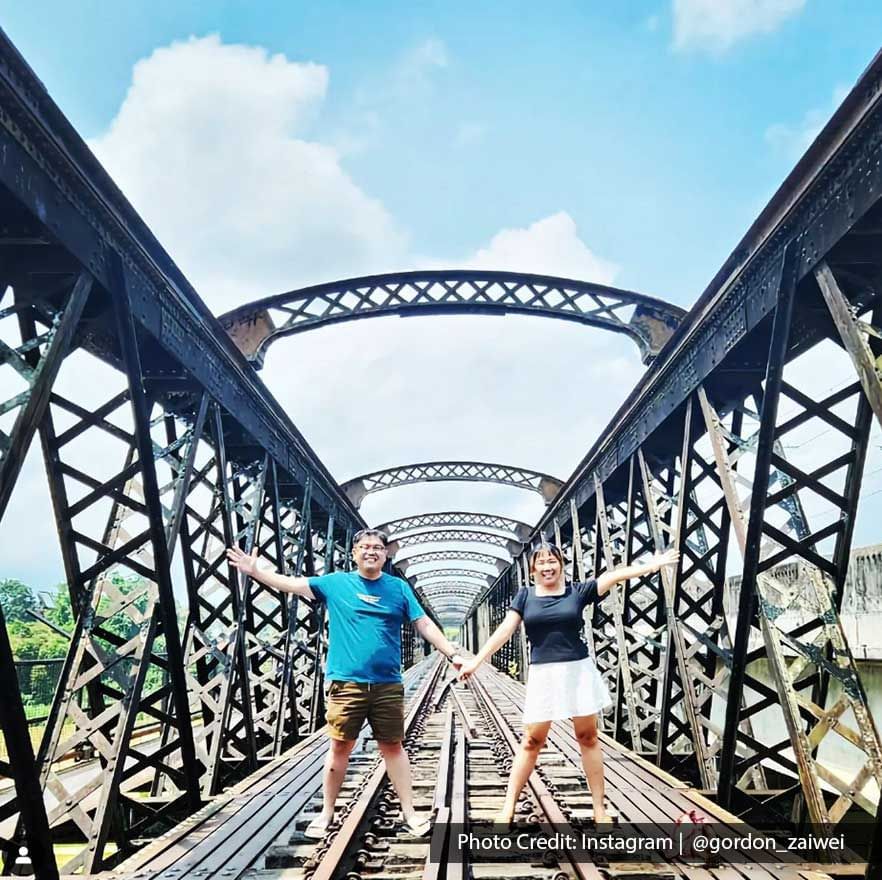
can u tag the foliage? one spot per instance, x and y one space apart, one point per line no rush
17 599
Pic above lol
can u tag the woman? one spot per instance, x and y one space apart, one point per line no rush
563 681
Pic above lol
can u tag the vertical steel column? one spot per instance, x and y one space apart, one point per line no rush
23 770
679 656
774 374
625 693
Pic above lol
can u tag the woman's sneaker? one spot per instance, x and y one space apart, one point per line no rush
318 828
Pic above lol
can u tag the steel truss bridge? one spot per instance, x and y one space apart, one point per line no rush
196 454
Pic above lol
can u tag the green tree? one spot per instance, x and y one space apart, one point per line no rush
61 613
17 599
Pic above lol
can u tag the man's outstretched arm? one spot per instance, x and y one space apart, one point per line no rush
430 632
247 564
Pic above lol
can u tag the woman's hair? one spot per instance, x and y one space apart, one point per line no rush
547 548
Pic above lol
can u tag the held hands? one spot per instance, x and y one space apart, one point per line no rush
244 562
659 560
467 669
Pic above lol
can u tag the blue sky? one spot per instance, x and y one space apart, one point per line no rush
274 145
661 155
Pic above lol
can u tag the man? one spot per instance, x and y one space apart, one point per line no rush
366 609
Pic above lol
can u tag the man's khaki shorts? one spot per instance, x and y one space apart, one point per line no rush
350 702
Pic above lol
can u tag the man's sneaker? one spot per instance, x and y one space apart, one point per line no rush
318 828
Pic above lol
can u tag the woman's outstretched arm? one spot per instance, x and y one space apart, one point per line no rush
499 637
652 565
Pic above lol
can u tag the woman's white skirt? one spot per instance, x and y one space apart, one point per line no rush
564 690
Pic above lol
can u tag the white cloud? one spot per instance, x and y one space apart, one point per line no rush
550 246
211 147
716 25
794 139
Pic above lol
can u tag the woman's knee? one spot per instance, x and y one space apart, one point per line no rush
587 736
532 742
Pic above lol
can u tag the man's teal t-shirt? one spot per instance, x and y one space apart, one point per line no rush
364 624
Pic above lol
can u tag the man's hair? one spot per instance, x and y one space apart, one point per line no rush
370 533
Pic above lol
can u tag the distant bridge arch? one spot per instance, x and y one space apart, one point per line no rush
646 320
358 488
457 519
460 536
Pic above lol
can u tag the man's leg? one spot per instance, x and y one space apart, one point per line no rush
398 770
336 762
386 716
347 707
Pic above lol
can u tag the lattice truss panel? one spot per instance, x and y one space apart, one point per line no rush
223 507
36 333
798 663
690 513
117 486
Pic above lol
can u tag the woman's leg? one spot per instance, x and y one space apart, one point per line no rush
592 761
524 762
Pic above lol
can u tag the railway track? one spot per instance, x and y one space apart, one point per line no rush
461 741
461 750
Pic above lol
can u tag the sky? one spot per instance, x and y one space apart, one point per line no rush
271 146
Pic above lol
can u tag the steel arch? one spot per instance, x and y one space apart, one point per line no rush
443 536
648 321
469 573
358 488
430 583
495 562
458 519
464 591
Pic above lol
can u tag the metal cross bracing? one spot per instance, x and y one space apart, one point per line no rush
734 450
358 488
457 519
646 320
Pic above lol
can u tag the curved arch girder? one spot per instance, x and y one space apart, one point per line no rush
494 562
462 536
647 320
468 573
453 589
473 583
358 488
457 519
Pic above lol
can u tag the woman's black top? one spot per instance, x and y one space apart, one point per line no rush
554 623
